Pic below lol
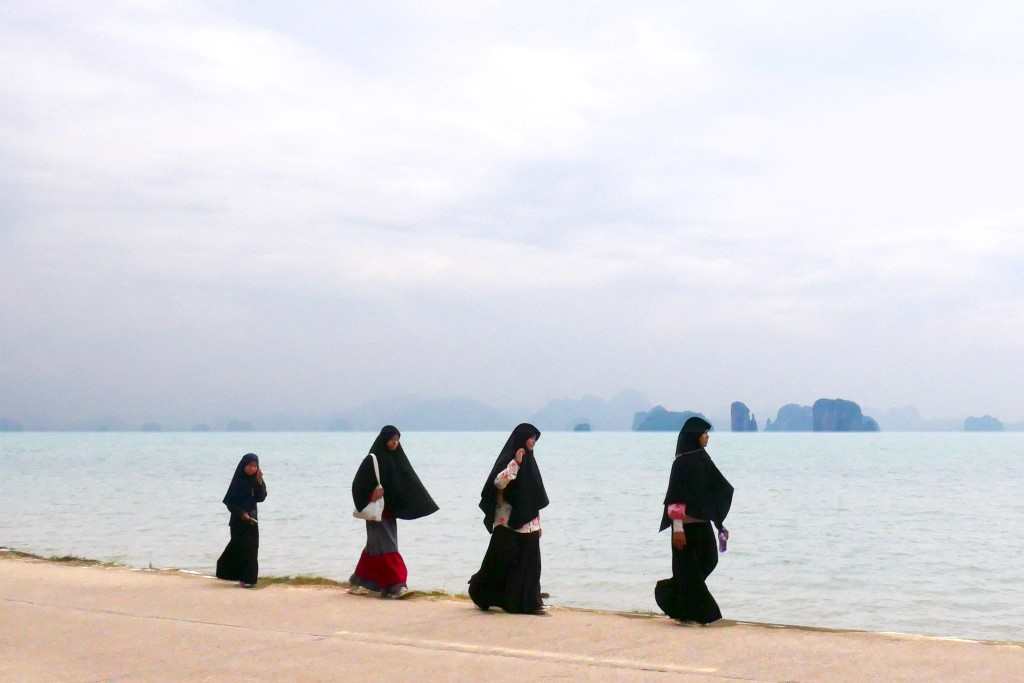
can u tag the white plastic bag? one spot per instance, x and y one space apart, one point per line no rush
374 510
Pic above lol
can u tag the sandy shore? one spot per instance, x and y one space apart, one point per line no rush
59 621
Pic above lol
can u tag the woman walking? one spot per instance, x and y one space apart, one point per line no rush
381 568
698 495
512 498
239 561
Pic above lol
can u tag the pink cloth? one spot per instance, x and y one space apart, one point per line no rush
677 513
503 511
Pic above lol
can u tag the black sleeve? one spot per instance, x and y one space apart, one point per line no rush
260 492
236 512
677 491
677 484
232 500
363 484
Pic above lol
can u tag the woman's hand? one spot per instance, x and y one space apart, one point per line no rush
519 456
259 476
678 540
377 494
245 517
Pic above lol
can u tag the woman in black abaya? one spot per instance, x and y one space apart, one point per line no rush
698 496
239 561
512 498
381 568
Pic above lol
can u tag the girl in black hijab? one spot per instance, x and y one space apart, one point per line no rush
239 562
512 498
698 495
381 568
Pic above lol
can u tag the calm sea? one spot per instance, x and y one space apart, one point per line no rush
915 532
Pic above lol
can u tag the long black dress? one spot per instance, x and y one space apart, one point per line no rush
240 559
695 481
509 575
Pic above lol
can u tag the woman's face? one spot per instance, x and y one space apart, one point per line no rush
393 442
531 442
703 439
251 468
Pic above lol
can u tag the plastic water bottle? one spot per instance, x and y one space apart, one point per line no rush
723 540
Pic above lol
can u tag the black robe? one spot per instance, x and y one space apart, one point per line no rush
240 559
405 497
509 575
685 596
697 482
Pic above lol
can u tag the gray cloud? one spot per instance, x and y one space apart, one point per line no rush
230 209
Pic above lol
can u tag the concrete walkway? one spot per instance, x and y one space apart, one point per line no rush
74 623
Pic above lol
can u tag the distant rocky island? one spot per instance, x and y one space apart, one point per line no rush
582 427
742 419
985 423
840 415
659 419
791 418
826 415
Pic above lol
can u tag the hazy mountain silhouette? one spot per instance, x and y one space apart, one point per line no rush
909 419
660 419
615 413
412 413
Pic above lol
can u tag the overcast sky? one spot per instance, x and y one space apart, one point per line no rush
239 208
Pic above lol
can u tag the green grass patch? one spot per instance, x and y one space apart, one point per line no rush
300 580
74 560
12 554
639 614
80 561
434 595
307 580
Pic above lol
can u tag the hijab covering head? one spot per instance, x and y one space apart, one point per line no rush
695 480
241 491
690 433
405 497
526 492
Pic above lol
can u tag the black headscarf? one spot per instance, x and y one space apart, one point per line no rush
404 494
695 480
526 492
244 491
690 433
